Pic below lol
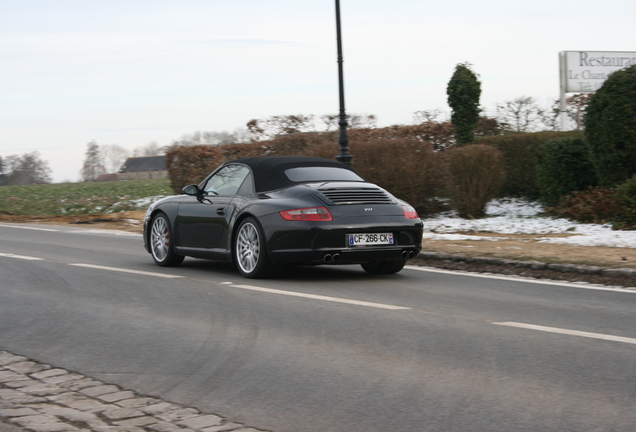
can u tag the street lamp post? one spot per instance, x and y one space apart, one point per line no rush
343 139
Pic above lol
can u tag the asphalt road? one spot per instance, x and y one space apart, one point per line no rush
322 349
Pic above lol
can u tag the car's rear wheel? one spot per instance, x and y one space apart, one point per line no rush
161 242
384 267
250 252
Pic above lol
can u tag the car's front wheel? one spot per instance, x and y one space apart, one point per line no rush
161 242
384 267
250 252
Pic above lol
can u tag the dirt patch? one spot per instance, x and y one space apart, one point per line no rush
527 248
131 221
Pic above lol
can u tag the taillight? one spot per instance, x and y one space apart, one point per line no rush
409 212
307 214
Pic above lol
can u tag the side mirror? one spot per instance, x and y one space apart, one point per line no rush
192 190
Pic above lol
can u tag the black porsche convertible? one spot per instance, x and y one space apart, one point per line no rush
264 212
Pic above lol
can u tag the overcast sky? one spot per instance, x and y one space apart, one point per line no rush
136 71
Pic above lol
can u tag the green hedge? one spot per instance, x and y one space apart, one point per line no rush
610 127
521 152
564 166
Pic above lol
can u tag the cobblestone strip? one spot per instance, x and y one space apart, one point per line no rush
40 398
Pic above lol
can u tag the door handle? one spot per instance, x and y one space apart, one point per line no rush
220 211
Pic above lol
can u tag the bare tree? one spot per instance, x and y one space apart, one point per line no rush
150 149
575 110
27 169
522 114
207 138
112 156
355 121
93 166
2 174
270 127
219 138
577 104
427 116
241 135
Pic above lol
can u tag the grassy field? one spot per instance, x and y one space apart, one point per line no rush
81 198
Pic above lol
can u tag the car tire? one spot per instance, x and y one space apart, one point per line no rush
384 267
161 242
250 251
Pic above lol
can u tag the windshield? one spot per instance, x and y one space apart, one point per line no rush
317 174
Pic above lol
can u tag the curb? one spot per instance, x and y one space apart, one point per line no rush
38 397
538 269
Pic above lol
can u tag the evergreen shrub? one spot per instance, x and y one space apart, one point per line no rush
610 127
563 166
520 152
464 90
626 192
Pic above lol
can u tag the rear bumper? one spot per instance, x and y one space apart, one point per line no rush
326 243
343 256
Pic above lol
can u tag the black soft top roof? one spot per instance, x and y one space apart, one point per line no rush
269 171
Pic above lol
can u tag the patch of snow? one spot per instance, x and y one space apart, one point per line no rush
623 239
513 207
143 203
516 216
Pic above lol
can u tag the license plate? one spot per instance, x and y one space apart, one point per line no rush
369 239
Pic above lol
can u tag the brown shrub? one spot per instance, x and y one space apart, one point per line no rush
190 165
440 135
595 205
239 151
297 144
477 173
409 169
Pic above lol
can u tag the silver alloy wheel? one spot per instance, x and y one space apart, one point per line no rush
160 239
248 247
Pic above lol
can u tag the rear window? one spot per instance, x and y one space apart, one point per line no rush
317 174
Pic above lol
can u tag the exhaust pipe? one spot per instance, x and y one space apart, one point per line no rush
411 254
327 258
335 257
405 254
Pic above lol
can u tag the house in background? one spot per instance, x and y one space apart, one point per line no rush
147 167
107 177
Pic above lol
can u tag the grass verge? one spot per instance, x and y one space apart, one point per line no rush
82 198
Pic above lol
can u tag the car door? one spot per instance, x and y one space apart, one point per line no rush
202 220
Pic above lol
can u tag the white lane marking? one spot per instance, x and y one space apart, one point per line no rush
104 231
22 257
520 279
28 228
568 332
122 270
76 230
319 297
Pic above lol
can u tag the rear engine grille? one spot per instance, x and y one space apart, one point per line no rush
357 196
